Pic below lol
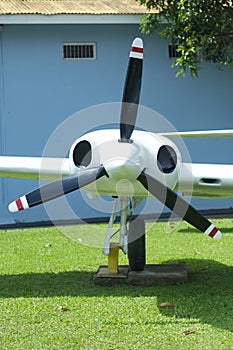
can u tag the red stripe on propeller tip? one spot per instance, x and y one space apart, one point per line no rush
19 204
213 232
136 49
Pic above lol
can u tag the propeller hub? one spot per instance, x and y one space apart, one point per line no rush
122 168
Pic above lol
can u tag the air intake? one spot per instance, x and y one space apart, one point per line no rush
79 51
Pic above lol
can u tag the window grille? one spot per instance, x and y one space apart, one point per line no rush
172 51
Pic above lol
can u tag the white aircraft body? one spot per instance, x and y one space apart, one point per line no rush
130 165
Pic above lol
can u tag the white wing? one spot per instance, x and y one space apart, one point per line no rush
34 168
208 180
198 134
205 180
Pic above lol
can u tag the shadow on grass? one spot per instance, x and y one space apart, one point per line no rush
206 296
194 230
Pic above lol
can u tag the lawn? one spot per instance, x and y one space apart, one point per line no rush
48 299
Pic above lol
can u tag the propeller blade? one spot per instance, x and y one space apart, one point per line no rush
132 89
57 188
178 205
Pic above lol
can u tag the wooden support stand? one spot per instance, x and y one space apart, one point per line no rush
151 275
113 258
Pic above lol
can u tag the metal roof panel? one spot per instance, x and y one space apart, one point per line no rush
54 7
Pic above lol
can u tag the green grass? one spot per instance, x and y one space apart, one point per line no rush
36 279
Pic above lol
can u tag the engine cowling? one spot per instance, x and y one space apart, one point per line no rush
155 154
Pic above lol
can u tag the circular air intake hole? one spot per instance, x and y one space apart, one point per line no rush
82 154
166 159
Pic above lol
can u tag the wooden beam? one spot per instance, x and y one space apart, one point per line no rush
113 258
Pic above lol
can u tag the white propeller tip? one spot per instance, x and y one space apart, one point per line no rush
13 207
20 204
218 235
213 232
137 49
138 42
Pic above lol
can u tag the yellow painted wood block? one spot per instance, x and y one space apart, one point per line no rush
113 258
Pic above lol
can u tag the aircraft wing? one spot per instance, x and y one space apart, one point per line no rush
198 134
34 168
208 180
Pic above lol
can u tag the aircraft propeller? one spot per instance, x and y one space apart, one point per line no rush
57 188
131 94
178 205
129 109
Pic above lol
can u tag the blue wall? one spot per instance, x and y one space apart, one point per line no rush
39 90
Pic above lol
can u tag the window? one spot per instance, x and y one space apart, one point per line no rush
79 51
172 51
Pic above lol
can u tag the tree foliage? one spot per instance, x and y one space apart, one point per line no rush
202 30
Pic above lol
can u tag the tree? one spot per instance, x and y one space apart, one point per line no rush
201 30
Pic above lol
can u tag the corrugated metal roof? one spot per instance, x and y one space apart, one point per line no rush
54 7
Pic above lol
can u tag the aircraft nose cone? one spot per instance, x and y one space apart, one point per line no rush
120 168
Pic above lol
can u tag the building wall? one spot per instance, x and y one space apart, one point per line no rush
39 90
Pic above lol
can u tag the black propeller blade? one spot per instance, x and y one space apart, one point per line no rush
57 188
132 89
178 205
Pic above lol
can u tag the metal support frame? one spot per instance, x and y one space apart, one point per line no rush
111 249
